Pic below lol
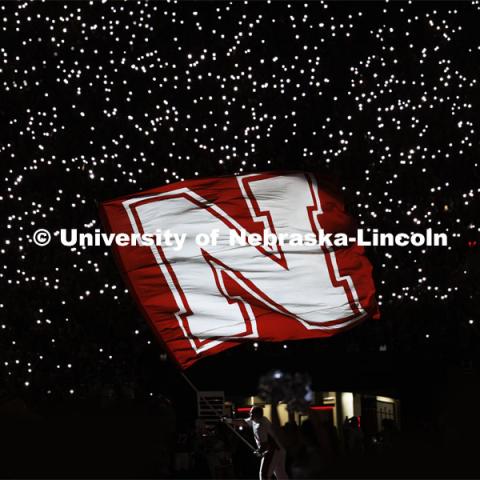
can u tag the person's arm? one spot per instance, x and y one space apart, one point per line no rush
237 422
264 447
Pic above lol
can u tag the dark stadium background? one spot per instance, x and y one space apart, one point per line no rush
65 421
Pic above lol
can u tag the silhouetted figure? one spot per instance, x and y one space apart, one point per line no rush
270 449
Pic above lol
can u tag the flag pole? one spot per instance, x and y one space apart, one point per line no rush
195 389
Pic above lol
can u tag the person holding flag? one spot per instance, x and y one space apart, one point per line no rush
270 448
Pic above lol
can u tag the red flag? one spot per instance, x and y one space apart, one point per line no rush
206 282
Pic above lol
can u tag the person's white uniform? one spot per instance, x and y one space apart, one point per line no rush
273 462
